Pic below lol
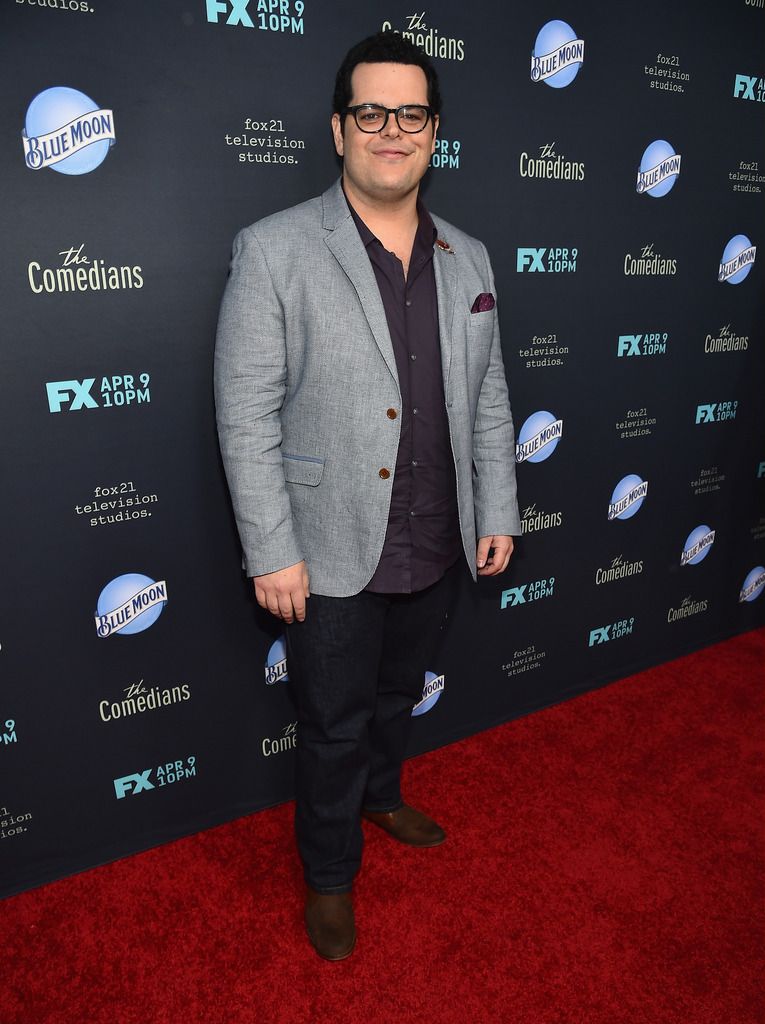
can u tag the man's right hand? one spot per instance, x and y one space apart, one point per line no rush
284 592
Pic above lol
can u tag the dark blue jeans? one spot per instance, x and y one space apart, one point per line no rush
356 667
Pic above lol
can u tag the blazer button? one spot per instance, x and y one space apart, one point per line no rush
391 414
384 473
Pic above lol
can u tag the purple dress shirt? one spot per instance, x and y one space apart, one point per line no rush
423 536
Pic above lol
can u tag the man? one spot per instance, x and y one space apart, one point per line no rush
368 443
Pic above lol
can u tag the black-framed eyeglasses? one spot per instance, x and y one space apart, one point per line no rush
373 117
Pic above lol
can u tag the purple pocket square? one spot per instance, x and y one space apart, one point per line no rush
483 303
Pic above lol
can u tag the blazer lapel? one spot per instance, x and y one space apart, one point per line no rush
445 267
346 246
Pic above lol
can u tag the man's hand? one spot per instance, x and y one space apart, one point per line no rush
497 563
284 592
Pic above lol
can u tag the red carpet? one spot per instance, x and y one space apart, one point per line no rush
604 866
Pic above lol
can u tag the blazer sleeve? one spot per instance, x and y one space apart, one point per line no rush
494 484
250 386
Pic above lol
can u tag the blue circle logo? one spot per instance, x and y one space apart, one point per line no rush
629 494
67 131
737 260
431 691
659 169
130 604
697 545
753 585
276 662
538 437
557 55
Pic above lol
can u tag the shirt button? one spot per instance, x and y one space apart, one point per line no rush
414 463
414 412
391 414
413 357
384 473
412 513
409 302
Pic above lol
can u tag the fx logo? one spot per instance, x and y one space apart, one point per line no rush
629 344
238 15
135 782
601 635
744 87
706 413
59 391
513 596
642 344
531 258
761 471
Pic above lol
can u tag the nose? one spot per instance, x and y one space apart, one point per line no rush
391 127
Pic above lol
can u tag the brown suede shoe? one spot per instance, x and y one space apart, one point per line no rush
330 924
408 826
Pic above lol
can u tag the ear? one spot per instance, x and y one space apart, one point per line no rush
337 133
435 132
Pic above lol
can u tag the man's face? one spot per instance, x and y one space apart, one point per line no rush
387 165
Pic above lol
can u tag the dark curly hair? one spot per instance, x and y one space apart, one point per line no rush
384 48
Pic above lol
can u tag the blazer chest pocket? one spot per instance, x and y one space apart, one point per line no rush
479 337
302 469
480 322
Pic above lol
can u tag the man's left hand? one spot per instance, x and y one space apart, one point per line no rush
494 564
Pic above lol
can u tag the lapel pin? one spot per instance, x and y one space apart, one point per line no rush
444 246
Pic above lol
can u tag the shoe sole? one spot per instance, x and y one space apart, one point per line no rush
332 959
405 842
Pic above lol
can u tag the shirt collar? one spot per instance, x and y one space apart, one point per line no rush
426 229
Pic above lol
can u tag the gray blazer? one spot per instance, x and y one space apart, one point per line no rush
304 376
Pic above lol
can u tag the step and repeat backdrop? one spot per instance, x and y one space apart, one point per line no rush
614 164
